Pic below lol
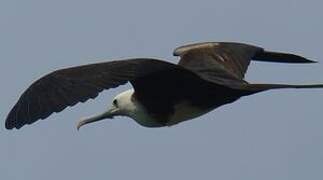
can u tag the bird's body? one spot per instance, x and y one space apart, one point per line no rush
131 107
207 76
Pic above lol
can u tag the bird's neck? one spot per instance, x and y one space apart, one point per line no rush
134 109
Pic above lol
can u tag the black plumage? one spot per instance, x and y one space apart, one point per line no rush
208 75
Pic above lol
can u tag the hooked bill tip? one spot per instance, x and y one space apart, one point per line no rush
95 118
80 124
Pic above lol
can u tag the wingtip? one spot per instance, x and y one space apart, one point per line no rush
311 61
9 126
8 123
305 60
278 57
12 123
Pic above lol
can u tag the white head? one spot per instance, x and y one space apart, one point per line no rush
122 105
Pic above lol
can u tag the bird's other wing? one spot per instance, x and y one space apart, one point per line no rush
66 87
226 62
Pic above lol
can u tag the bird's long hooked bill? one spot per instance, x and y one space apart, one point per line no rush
95 118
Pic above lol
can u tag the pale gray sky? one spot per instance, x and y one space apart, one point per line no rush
273 135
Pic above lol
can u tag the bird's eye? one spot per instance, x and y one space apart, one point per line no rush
115 102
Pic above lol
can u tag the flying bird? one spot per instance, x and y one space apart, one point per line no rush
207 76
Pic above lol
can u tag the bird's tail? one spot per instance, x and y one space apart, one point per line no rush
264 87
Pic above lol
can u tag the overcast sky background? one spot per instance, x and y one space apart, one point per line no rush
273 135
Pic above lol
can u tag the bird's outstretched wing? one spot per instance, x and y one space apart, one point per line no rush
66 87
225 62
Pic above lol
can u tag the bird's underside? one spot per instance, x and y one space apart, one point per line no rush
208 75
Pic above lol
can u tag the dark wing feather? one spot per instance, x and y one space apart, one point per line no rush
226 63
66 87
270 56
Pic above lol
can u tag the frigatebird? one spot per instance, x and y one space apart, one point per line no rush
207 76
